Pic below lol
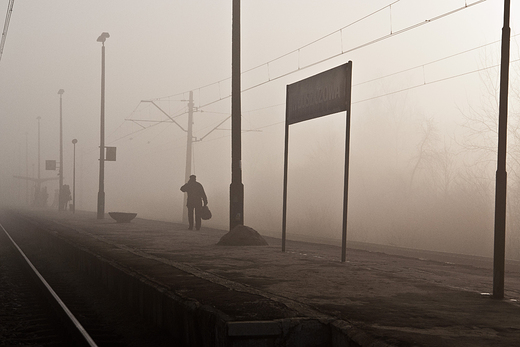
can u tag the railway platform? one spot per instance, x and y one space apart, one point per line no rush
208 294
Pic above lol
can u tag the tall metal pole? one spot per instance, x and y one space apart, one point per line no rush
189 144
501 174
101 194
285 175
74 178
347 166
236 208
38 118
27 168
60 184
38 183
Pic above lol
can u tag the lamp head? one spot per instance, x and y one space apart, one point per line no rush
102 38
74 141
61 91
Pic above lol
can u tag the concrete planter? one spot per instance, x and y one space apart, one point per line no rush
122 217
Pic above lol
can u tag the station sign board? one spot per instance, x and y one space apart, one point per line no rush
319 95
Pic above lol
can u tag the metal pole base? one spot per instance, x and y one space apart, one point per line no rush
236 208
101 205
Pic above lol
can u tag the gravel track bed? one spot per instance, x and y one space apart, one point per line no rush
108 322
25 318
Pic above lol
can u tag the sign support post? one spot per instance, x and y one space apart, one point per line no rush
320 95
347 160
285 166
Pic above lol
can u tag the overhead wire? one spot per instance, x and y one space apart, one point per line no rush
430 63
134 132
299 68
286 54
431 82
397 91
384 37
6 26
424 83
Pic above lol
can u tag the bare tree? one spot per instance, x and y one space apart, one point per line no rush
479 143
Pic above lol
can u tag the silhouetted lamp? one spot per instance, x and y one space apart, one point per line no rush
101 194
103 37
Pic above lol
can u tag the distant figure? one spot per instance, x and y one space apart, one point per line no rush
66 197
196 196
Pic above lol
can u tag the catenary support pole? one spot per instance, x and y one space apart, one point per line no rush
236 189
189 146
501 174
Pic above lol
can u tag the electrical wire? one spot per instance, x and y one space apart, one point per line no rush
407 88
392 34
430 82
366 99
429 63
425 83
299 68
6 26
135 132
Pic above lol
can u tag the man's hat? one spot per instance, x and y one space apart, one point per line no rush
193 176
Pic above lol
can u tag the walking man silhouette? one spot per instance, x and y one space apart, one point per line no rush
196 196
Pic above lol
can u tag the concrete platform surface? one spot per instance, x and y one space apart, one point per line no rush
391 296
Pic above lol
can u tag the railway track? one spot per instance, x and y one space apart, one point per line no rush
48 311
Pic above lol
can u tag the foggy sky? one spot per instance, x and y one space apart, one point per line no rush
168 48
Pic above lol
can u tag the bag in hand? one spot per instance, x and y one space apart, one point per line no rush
205 213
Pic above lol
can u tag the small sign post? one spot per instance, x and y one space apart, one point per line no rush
319 95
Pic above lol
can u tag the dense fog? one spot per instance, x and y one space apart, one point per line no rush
424 114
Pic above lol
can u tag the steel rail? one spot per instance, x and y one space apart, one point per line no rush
62 308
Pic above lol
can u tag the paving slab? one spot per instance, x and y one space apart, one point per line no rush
396 296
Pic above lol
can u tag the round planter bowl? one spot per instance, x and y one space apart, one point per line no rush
122 217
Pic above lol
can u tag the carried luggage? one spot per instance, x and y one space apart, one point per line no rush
205 213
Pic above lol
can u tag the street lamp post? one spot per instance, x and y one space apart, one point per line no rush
37 195
38 118
60 185
27 168
74 178
101 194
